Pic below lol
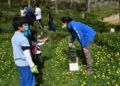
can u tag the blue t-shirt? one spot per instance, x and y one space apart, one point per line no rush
83 33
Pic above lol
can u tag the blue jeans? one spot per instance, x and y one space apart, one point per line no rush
26 77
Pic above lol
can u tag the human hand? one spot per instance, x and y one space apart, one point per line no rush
85 50
34 69
39 40
46 39
42 39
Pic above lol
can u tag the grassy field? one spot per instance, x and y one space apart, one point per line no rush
105 50
106 54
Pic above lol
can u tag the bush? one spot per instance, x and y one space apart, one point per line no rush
116 27
110 40
7 66
6 28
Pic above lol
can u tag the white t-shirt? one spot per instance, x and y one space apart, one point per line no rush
22 12
38 13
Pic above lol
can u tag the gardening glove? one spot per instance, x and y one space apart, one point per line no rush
71 45
34 69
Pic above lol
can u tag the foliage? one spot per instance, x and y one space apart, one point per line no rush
6 28
109 40
56 73
5 22
106 51
7 68
106 68
105 10
115 26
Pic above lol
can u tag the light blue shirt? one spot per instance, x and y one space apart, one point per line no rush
18 40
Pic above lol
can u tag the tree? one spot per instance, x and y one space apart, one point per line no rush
9 3
55 2
119 10
88 5
29 3
21 2
0 2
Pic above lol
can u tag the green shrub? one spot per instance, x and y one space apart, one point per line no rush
8 69
6 27
115 26
110 40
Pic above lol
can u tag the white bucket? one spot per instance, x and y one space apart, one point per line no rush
73 66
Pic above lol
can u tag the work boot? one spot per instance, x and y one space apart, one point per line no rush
89 70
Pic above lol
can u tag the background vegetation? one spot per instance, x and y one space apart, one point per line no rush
106 47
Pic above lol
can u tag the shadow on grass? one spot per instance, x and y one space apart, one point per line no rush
81 56
39 61
76 52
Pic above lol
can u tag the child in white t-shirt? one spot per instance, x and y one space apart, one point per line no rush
38 15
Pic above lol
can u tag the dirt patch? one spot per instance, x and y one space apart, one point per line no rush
114 19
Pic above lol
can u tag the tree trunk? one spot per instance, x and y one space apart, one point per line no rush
119 10
21 2
9 3
46 2
88 5
56 9
71 3
29 3
0 2
95 2
34 2
55 5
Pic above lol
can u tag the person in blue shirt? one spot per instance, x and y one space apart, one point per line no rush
84 35
21 53
30 17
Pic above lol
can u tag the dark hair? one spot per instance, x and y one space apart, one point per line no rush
23 6
18 21
37 5
66 19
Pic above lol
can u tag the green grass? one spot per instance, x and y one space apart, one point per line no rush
9 74
55 72
54 52
105 10
105 67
